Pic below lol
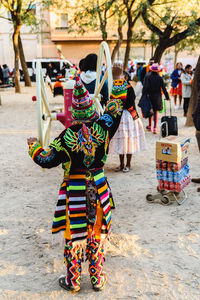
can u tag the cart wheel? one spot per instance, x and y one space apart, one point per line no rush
103 51
43 110
149 198
165 200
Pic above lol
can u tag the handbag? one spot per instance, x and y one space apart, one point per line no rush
146 106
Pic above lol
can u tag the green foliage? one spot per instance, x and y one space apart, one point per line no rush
171 22
190 44
167 18
94 15
23 11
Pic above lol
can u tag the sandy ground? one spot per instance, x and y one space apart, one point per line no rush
153 252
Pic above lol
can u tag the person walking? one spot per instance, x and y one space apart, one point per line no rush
176 90
153 87
83 210
129 137
89 74
6 73
186 79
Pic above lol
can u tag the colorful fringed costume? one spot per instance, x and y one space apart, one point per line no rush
84 205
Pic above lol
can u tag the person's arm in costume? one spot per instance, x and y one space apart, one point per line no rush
112 116
130 101
48 158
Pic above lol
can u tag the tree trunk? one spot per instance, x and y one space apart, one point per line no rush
118 44
175 58
128 48
194 95
27 79
152 49
16 51
160 49
104 36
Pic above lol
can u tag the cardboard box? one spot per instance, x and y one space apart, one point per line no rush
172 149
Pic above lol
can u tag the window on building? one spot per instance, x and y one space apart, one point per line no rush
62 21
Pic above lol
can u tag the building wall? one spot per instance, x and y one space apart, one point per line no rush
5 42
31 43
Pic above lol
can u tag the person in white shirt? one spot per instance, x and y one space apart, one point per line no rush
186 78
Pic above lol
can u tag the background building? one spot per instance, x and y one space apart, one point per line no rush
55 32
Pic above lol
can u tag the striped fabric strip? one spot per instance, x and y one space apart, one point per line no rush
74 192
102 188
59 220
119 95
119 90
77 206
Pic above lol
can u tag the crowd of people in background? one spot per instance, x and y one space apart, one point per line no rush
181 81
181 77
150 77
152 83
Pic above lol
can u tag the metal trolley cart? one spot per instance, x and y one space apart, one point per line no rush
167 197
172 170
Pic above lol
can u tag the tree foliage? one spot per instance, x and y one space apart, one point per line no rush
171 22
93 15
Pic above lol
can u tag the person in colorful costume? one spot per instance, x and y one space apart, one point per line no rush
84 205
129 137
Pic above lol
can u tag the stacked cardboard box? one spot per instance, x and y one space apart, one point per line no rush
172 163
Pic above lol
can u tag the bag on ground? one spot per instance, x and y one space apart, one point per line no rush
169 124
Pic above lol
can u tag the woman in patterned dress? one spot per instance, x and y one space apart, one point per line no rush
129 137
